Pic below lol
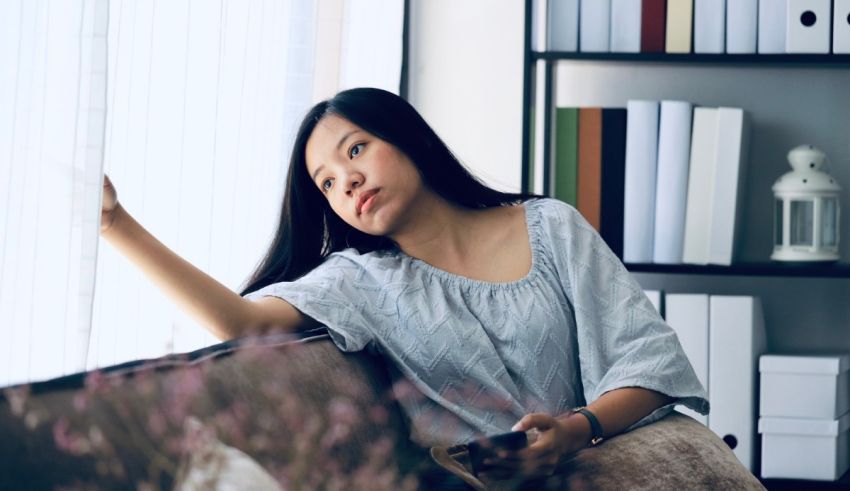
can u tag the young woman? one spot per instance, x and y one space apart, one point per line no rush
505 311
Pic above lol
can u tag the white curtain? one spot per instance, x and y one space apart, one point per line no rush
52 111
202 102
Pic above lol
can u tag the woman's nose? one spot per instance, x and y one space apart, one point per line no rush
354 181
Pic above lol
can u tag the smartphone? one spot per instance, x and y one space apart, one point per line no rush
487 447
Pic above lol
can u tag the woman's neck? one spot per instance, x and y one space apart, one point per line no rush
439 229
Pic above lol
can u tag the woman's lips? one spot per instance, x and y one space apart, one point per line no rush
368 202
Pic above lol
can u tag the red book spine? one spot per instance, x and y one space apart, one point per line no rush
652 28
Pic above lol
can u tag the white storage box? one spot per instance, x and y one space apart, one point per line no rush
804 448
815 387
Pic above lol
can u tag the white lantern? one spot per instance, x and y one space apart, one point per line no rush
806 209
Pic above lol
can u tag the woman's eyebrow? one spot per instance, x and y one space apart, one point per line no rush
344 137
318 169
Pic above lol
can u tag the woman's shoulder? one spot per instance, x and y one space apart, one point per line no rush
554 212
548 205
362 262
347 270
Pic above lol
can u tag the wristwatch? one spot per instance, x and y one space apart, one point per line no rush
595 426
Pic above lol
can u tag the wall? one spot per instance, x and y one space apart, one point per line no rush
465 76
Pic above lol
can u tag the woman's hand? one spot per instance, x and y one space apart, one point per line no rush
541 457
110 204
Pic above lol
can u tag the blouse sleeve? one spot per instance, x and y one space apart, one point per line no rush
332 295
623 341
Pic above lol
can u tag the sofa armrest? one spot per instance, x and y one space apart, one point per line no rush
676 452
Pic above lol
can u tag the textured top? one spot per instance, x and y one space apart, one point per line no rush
483 354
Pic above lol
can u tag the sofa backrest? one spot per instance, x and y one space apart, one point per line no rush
300 408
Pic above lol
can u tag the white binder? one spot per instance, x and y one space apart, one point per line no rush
729 184
641 161
625 26
736 340
841 27
709 26
594 27
674 146
808 26
771 30
562 25
539 24
741 24
700 186
687 314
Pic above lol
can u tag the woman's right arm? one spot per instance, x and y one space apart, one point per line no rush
218 308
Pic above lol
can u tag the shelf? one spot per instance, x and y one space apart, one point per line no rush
823 270
801 60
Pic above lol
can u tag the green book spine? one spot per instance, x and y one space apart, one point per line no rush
566 154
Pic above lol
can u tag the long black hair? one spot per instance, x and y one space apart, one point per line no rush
309 229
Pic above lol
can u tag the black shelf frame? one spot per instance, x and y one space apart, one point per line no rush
757 60
767 269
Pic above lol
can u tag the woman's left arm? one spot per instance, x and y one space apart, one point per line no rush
618 409
566 434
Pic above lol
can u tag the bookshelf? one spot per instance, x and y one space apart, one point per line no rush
545 64
806 305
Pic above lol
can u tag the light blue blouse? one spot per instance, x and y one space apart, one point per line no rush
476 356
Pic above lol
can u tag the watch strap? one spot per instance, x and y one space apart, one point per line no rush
595 426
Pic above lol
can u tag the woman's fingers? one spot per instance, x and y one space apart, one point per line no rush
537 459
541 421
110 195
110 202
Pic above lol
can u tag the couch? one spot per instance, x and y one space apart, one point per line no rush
293 410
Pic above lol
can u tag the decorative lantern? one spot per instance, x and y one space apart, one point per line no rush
806 209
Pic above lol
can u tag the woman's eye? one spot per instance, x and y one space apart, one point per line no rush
326 184
352 153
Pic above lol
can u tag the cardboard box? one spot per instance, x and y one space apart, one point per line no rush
815 387
814 449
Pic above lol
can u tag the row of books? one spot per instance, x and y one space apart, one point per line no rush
661 181
698 26
723 338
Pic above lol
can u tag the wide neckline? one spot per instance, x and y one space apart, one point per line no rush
531 225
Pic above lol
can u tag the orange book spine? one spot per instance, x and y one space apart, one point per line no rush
590 165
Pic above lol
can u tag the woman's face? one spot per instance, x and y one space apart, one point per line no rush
368 182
